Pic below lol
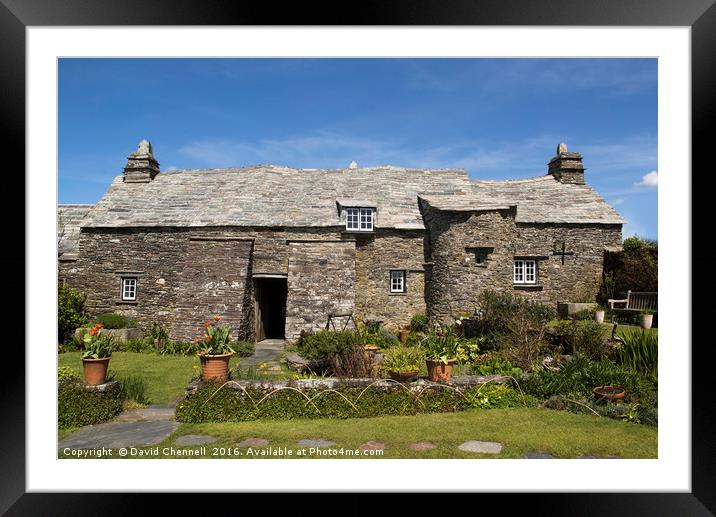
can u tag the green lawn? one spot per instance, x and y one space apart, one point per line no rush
165 376
560 433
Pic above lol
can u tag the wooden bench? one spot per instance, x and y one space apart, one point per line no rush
635 302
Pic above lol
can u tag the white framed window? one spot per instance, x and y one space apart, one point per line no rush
129 288
525 272
359 219
366 219
352 218
397 281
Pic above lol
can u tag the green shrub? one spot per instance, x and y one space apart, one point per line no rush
65 373
579 376
158 335
110 320
419 323
640 351
634 412
214 403
71 312
244 348
179 348
581 337
584 314
635 268
403 359
497 314
493 396
79 406
325 344
134 345
493 364
72 345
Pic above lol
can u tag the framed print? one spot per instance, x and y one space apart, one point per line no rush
383 108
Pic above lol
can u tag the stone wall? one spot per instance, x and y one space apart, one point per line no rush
457 238
375 257
321 281
577 280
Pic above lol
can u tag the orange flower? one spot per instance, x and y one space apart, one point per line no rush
207 338
95 329
196 341
217 317
206 324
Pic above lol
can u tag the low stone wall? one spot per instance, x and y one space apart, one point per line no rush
565 310
236 401
121 335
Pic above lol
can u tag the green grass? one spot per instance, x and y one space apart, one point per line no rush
165 376
560 433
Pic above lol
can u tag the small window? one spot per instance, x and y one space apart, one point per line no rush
525 272
352 219
129 289
359 219
397 281
366 219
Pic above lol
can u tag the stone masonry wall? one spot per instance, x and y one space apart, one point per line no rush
375 257
321 281
457 278
577 280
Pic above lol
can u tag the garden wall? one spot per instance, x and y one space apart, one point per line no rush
235 401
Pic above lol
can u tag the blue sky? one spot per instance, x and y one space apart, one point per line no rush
498 118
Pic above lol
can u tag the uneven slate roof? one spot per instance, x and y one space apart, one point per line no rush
271 196
268 195
69 218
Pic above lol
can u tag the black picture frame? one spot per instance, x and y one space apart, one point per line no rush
16 15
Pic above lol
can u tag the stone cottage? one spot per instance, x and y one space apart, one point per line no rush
276 250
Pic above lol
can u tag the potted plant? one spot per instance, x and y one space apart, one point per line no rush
441 350
599 312
96 355
402 363
646 317
404 334
215 351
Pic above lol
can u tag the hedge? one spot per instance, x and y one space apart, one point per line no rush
79 406
214 402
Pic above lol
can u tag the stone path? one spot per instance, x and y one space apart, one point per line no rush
266 352
148 414
538 455
120 434
373 446
253 442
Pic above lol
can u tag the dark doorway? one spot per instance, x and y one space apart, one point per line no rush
270 308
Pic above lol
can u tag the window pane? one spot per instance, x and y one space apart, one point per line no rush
352 215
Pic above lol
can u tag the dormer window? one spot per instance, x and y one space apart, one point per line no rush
359 219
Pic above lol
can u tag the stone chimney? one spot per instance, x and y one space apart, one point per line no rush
141 166
567 167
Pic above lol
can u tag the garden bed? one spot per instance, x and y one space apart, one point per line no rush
235 401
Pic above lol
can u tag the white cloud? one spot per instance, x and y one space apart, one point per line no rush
618 201
649 180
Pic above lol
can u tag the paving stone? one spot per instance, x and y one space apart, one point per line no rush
120 434
422 446
253 442
373 446
538 455
315 443
148 414
195 439
481 447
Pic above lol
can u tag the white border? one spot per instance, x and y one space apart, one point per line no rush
670 472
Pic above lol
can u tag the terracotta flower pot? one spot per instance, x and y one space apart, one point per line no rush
609 392
403 376
439 371
95 370
403 335
215 367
